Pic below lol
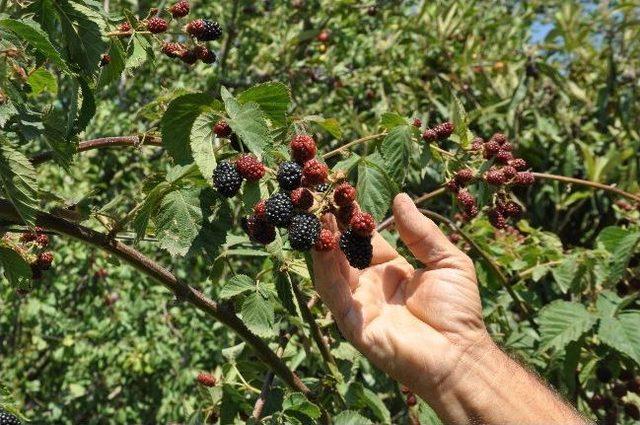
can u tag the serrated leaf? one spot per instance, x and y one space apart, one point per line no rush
41 80
375 190
18 181
31 32
390 120
273 98
297 402
257 313
565 273
248 123
607 303
54 135
622 333
461 122
7 110
396 151
87 110
238 284
358 397
149 207
16 270
177 122
83 38
349 417
114 69
562 322
427 415
202 144
330 125
622 246
179 220
139 52
285 293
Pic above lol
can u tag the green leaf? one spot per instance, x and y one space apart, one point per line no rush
257 314
248 122
140 51
149 207
621 243
54 134
7 110
285 293
375 190
237 285
566 272
202 137
461 122
622 333
83 39
330 125
274 99
42 81
18 181
87 110
31 32
608 303
396 151
349 417
562 322
177 122
297 402
390 120
179 220
358 397
427 415
114 69
16 270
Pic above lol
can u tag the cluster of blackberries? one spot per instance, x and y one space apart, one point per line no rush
38 241
505 171
7 418
438 133
228 176
626 382
201 30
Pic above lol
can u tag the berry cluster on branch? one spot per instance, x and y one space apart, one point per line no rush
32 247
7 418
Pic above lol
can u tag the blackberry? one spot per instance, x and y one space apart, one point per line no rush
417 122
372 10
497 218
357 249
444 130
44 260
206 379
250 168
519 164
180 9
289 175
512 209
411 400
189 57
506 146
603 373
429 135
344 214
452 186
476 144
362 223
322 187
259 208
326 241
42 240
626 375
499 138
156 25
303 148
494 177
503 157
524 178
314 172
222 129
227 179
491 149
124 27
105 60
205 54
344 195
7 418
173 50
464 176
279 209
258 229
204 29
509 172
302 198
470 212
619 390
304 231
466 199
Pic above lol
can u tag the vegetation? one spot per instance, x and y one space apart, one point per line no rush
130 291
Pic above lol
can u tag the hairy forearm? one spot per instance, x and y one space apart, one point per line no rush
489 387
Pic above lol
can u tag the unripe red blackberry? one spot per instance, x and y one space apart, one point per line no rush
444 130
259 209
227 179
632 411
512 209
323 36
205 54
28 237
470 212
7 418
363 223
156 25
452 186
304 231
180 9
124 27
206 379
258 229
204 29
44 260
524 178
464 176
477 143
250 168
466 199
491 149
302 198
357 249
42 240
327 241
195 27
519 164
189 57
500 138
503 157
506 146
494 177
345 214
417 122
509 172
411 400
497 219
314 172
173 50
429 135
222 129
619 390
105 60
289 175
303 148
344 194
279 209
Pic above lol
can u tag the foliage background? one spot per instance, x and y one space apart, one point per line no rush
560 78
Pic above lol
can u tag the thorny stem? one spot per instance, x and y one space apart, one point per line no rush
352 143
587 183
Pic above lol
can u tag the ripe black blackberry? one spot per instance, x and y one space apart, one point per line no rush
204 29
304 231
289 175
357 249
258 229
205 54
227 179
279 209
322 187
603 373
7 418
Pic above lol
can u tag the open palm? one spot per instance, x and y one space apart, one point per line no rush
406 319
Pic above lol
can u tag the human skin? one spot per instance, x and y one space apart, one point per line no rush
424 327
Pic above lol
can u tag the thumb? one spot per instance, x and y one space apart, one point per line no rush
421 235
